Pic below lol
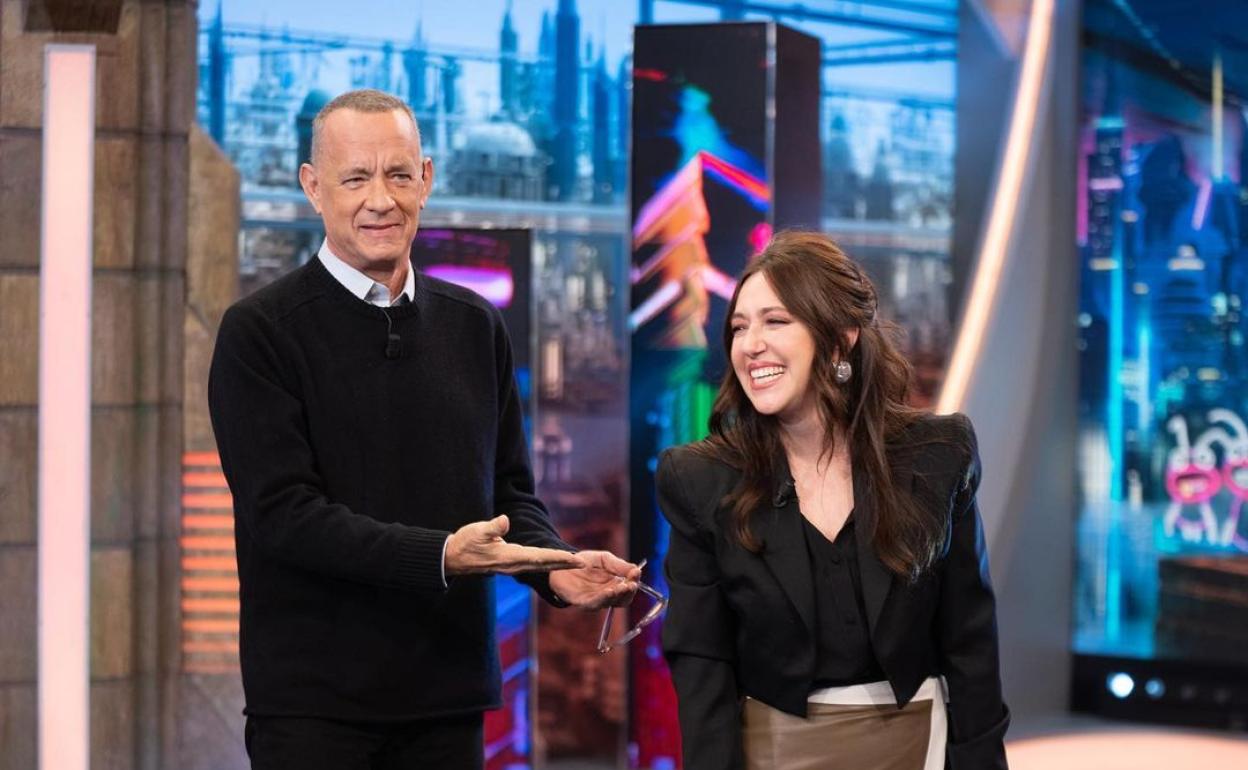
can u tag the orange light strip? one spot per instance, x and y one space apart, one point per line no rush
210 563
207 521
198 604
209 459
210 603
64 453
204 479
213 501
207 543
209 584
1001 219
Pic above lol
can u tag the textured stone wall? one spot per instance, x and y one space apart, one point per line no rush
144 108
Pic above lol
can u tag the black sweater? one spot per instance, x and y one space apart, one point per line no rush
349 470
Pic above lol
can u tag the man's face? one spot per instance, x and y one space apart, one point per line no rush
368 182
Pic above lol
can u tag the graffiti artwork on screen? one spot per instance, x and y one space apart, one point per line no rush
1162 543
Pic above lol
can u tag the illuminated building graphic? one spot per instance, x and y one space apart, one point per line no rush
1163 380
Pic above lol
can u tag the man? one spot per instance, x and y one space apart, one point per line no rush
370 431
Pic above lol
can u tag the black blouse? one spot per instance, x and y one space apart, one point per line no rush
844 653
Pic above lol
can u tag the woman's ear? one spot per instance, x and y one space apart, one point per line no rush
852 336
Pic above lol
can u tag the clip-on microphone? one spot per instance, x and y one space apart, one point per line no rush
394 343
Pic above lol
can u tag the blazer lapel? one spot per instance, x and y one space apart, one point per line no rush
877 581
784 552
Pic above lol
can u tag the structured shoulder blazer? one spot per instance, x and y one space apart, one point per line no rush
742 624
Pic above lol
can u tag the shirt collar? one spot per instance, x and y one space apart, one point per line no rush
358 283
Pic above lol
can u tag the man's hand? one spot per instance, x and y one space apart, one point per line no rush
605 580
479 549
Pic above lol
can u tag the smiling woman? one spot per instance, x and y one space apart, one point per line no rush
826 563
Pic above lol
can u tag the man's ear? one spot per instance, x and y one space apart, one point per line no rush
311 185
426 178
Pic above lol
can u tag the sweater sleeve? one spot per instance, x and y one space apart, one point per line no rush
269 463
514 487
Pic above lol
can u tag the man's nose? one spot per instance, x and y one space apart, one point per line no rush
379 197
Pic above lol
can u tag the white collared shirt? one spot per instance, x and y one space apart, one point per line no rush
360 284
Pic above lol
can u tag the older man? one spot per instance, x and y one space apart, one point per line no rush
370 430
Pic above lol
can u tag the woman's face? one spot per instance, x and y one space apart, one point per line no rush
772 353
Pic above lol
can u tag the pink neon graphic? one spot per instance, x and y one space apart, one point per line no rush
493 283
1234 476
677 219
760 236
1192 479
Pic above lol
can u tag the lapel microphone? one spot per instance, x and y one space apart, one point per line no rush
394 343
784 494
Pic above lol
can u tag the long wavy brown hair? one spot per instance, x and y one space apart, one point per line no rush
830 294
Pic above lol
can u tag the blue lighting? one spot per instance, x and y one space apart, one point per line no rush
1155 688
1121 684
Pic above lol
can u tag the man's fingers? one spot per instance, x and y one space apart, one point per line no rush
524 558
609 562
498 526
618 594
623 598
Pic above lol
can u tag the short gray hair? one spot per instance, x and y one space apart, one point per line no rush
360 100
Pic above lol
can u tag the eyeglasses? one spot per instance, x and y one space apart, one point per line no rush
660 604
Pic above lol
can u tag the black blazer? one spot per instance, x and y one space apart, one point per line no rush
742 624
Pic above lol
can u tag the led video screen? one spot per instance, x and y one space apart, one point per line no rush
1162 540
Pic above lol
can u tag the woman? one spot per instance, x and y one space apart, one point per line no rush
827 564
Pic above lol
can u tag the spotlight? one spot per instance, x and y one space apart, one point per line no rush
1120 684
1155 688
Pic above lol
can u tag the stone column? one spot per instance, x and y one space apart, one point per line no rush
145 99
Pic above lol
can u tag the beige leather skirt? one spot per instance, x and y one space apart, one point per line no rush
837 736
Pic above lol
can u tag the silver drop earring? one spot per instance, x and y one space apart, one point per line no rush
843 372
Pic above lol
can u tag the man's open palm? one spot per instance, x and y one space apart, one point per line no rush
479 549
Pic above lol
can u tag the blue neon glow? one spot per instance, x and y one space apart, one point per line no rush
1121 685
1116 438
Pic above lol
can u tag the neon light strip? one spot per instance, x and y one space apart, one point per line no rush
656 303
1201 208
743 181
694 229
1105 183
1115 404
717 282
1217 171
660 205
1001 218
64 481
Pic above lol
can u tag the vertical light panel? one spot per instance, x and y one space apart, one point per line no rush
65 405
1003 211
